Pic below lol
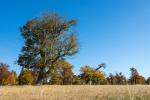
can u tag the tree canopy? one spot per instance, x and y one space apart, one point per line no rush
48 38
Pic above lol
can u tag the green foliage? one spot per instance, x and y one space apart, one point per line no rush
48 39
26 77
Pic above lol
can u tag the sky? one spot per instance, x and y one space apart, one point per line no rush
116 32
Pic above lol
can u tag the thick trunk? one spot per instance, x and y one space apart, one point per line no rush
40 77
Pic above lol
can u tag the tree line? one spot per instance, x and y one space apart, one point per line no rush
65 76
48 40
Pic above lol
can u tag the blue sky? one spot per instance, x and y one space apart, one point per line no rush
116 32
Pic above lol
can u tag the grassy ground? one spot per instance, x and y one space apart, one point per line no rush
100 92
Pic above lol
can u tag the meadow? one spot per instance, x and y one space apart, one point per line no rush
76 92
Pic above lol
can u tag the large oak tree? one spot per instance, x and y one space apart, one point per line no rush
48 39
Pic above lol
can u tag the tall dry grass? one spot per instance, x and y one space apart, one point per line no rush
83 92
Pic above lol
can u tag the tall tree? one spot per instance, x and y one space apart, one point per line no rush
135 77
47 39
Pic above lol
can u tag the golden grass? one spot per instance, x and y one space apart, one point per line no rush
83 92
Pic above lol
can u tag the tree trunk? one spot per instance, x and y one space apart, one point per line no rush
40 78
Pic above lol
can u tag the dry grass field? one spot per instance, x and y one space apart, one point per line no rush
101 92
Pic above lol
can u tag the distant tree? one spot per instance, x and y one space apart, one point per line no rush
103 65
10 79
120 79
111 79
141 80
7 77
48 39
135 77
86 74
26 77
91 76
14 78
3 72
76 80
148 80
98 78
